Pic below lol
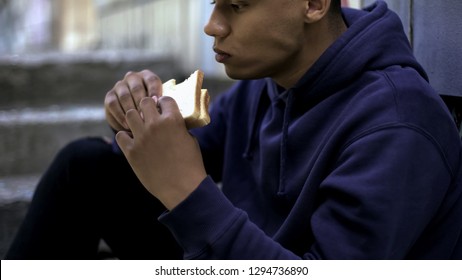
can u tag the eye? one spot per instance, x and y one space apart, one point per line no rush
237 6
213 2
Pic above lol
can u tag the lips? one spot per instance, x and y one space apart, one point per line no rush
221 56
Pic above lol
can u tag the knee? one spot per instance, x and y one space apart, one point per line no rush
84 151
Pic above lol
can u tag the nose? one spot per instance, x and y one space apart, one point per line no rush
217 25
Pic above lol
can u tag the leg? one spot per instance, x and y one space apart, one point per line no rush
89 192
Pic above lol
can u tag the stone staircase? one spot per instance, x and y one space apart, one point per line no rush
49 100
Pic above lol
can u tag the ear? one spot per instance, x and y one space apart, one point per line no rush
316 10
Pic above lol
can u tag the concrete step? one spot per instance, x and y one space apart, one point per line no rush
15 195
17 188
79 79
30 138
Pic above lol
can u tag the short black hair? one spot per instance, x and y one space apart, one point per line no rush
336 7
335 14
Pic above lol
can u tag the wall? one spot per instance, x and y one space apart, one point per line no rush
23 29
438 42
436 36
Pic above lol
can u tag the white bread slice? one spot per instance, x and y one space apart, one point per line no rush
192 100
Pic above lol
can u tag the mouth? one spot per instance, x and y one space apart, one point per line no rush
221 56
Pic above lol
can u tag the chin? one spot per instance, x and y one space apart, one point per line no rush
241 73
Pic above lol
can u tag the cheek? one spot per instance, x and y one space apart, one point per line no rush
277 45
264 48
278 38
262 60
287 34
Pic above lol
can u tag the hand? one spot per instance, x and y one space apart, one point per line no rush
165 157
127 94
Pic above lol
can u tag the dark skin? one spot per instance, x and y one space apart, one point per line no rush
286 38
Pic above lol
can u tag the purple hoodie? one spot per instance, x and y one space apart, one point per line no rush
359 160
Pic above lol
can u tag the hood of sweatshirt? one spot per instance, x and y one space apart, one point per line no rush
375 39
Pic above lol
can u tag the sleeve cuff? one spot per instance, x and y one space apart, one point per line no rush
201 218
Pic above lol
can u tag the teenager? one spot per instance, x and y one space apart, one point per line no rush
332 146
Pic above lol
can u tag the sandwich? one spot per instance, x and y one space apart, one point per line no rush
192 100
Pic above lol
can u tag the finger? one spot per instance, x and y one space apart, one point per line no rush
166 103
169 109
124 96
149 109
114 112
152 83
124 140
134 121
136 86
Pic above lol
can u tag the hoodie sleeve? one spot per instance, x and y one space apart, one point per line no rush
208 226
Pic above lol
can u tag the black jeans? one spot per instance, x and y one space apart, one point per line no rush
89 193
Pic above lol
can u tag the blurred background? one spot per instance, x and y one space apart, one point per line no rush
165 27
171 28
58 58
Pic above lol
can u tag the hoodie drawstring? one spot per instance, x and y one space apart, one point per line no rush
284 143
